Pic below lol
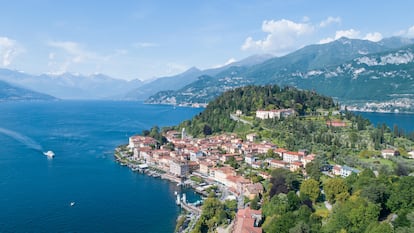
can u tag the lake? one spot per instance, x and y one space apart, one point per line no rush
36 192
403 120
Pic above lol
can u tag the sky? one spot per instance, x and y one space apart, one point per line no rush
134 39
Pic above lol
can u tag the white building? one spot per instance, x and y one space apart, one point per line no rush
388 153
290 156
249 159
346 171
411 154
275 113
178 168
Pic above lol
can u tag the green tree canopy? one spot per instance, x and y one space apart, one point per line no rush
335 189
310 188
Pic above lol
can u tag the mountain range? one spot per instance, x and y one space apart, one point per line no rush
176 82
362 74
337 69
71 86
12 93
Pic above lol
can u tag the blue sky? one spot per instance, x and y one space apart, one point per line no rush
146 39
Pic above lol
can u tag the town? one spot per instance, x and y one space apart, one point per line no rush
213 161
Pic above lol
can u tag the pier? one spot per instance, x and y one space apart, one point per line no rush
191 208
187 206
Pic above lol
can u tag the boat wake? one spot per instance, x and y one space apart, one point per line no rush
22 139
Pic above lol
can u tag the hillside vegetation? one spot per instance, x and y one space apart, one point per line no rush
355 72
310 129
378 198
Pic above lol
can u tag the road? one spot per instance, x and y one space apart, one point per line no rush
236 118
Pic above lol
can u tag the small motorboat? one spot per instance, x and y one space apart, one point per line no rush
49 154
72 203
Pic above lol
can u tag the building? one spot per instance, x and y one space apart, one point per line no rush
220 174
178 168
336 170
346 171
250 159
253 190
251 137
280 152
336 123
195 156
290 156
295 165
389 153
274 113
307 159
411 154
278 163
247 221
140 141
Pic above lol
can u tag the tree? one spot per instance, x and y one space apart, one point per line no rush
207 130
278 182
310 188
271 154
300 227
402 194
353 215
280 223
213 214
145 132
293 201
377 227
313 169
335 189
254 203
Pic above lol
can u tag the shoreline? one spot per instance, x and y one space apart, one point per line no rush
189 213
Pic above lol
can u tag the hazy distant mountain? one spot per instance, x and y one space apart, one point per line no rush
71 86
396 42
179 81
12 93
313 67
164 83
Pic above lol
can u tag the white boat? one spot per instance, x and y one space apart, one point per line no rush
49 154
72 203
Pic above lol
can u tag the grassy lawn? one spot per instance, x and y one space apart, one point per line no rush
380 160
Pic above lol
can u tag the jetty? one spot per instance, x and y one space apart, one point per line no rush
192 208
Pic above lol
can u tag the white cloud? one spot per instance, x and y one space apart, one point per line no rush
52 56
374 36
145 45
78 54
352 34
231 60
172 68
282 36
73 53
9 49
330 20
228 62
407 33
410 32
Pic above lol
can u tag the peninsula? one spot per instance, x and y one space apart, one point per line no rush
272 159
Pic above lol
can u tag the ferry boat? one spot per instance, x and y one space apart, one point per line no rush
49 154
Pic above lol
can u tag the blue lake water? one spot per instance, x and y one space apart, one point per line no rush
403 120
35 192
